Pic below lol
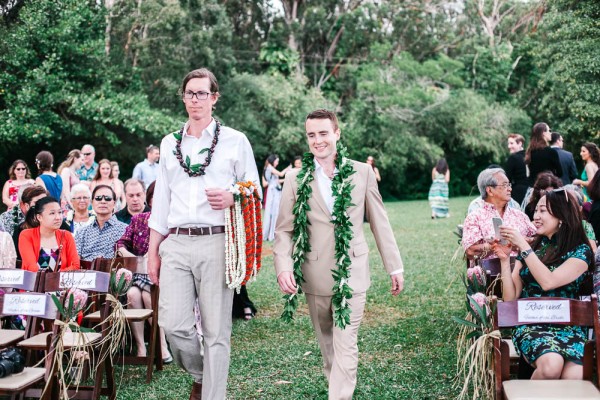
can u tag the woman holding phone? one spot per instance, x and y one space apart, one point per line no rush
552 266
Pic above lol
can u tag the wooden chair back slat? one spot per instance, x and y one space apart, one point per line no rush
137 265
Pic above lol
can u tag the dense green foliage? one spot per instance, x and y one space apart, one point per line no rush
411 80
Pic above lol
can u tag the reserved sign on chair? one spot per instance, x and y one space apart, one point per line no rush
25 304
10 277
79 280
543 311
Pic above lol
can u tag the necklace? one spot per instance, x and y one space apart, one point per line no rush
194 170
342 192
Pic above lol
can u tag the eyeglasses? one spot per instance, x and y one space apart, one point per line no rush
189 95
87 154
558 191
85 198
20 169
106 198
505 185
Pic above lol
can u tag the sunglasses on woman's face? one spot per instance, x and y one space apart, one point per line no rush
20 169
105 197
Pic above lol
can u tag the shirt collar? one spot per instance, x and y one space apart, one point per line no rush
319 168
210 129
111 221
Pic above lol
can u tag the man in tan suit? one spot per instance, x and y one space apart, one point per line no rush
338 346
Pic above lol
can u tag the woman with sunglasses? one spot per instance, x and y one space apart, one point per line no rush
45 246
552 266
18 175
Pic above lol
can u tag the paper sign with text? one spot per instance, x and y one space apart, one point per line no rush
26 304
544 311
77 280
10 277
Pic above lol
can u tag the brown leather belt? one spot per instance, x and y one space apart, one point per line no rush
206 230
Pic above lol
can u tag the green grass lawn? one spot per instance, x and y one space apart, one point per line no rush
407 344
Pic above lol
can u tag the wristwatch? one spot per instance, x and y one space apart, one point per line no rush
525 253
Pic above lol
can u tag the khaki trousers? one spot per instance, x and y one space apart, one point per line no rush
195 267
339 348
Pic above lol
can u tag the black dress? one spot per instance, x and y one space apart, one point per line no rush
517 175
543 160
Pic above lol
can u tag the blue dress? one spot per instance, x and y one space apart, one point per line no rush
53 184
535 340
438 196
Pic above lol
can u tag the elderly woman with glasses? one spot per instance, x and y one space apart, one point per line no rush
553 265
478 228
80 215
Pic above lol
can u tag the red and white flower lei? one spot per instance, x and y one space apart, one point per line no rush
243 235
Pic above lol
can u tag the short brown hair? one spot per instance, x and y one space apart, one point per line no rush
200 73
518 138
324 114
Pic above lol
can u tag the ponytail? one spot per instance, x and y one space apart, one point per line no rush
31 220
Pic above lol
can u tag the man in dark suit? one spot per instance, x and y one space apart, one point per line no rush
566 159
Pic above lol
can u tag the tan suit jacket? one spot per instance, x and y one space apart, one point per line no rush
321 259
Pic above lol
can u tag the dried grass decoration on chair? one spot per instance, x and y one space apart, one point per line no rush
475 362
243 235
118 328
75 303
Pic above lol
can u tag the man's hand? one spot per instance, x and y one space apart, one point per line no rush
154 267
219 199
287 283
397 284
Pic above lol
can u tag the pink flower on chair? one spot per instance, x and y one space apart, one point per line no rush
476 274
80 298
482 301
126 273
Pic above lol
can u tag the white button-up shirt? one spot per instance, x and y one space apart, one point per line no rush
179 200
325 188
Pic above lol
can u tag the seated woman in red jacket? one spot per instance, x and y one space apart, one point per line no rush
45 246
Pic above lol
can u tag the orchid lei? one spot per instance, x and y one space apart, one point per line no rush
342 192
243 235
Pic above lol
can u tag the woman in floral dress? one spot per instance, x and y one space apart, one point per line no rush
552 266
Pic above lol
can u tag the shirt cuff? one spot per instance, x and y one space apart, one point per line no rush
396 272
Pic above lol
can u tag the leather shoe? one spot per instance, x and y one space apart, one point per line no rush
196 391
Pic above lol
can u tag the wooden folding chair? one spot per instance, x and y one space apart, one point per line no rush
97 283
154 353
542 310
37 305
17 279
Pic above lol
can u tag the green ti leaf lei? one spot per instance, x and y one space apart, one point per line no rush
342 192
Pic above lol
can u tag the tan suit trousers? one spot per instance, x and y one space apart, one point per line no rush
195 267
339 347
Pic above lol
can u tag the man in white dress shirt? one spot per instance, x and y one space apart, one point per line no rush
197 165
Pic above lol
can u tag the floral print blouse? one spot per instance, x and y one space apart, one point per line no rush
137 235
478 225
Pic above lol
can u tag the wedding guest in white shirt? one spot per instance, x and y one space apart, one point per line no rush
197 165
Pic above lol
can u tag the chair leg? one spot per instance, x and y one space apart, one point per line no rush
152 350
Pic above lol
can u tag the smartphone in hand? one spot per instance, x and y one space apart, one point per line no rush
497 224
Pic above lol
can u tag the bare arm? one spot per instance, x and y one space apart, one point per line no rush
447 176
154 262
566 273
5 198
